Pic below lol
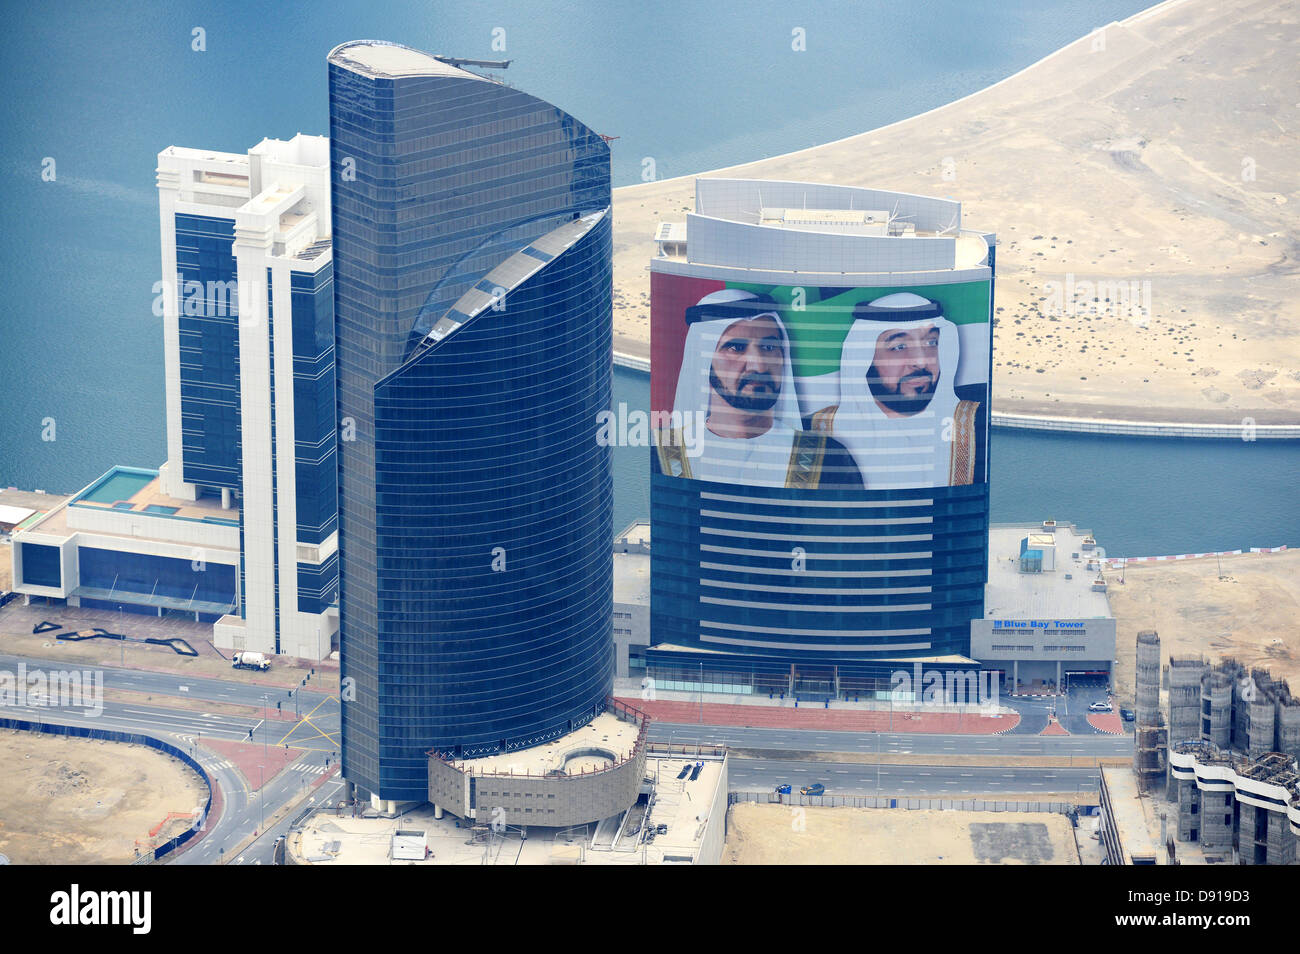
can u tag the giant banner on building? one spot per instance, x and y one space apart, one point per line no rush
872 388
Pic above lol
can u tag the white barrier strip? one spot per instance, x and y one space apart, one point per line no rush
1113 563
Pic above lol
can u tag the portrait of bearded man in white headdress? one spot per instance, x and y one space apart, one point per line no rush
900 415
736 372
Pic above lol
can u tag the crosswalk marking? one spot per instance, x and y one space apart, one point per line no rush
309 769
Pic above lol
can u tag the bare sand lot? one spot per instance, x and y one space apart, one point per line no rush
1158 151
1250 615
80 801
777 835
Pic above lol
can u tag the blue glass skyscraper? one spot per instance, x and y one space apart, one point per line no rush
472 277
778 564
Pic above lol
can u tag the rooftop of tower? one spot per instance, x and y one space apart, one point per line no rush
777 226
381 59
1063 592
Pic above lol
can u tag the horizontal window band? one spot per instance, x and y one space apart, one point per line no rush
839 574
785 554
781 631
831 521
819 590
804 538
843 504
806 647
751 604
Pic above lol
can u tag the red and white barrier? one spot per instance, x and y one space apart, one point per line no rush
1116 563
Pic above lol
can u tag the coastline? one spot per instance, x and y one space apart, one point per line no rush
1214 254
1248 431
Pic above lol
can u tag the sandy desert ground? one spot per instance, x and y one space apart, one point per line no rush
1158 151
1250 615
80 801
771 835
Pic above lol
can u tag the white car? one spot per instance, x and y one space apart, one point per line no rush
1100 707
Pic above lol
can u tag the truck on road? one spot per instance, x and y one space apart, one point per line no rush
250 661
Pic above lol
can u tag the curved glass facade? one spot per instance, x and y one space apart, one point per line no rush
819 496
817 576
474 502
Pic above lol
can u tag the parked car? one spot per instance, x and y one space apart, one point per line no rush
815 789
1100 707
783 789
1128 715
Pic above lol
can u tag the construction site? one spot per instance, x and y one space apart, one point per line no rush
1216 767
71 801
675 814
1241 607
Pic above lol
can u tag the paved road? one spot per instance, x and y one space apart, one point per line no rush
249 816
813 740
234 690
260 852
1073 709
159 718
244 811
907 780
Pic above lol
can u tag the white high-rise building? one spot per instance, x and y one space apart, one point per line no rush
250 375
239 527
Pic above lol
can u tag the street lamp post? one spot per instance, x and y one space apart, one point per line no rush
261 797
877 767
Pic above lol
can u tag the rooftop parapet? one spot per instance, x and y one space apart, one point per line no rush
815 229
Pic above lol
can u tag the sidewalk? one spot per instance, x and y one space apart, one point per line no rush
840 718
630 691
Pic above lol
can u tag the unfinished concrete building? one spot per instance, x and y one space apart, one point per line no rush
1266 717
1248 809
1152 737
1253 713
1216 708
1183 681
1149 762
1146 698
1247 711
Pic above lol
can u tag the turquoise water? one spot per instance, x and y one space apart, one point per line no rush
691 86
120 486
